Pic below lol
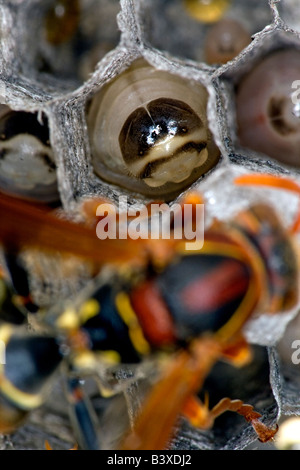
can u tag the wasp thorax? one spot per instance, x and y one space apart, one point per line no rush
149 131
27 165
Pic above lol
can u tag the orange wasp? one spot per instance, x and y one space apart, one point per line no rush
193 307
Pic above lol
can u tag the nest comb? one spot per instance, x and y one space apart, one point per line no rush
58 79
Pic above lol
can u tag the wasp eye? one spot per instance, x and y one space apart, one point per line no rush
268 107
148 131
27 165
224 41
207 11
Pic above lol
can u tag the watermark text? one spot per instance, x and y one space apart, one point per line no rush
296 354
159 221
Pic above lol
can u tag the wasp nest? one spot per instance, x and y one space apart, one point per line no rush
208 87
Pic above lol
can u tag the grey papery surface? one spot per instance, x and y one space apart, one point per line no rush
168 39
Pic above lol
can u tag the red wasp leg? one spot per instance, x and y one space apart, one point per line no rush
238 352
197 413
280 182
186 373
263 432
201 417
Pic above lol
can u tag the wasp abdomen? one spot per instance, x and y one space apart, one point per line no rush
107 330
30 361
203 292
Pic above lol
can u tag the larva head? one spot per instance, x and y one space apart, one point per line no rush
27 165
163 142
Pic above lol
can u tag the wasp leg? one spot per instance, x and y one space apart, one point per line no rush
200 416
238 352
197 413
263 432
182 379
82 415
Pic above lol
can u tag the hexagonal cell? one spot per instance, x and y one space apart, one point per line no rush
268 114
267 103
27 164
149 133
29 68
213 31
289 11
71 36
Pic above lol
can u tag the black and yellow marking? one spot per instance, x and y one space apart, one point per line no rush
30 360
110 333
127 313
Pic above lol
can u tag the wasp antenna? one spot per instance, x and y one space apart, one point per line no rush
280 182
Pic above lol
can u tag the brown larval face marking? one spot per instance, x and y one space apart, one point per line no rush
163 143
164 135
